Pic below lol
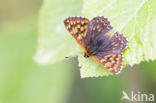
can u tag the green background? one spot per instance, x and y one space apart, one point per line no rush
24 81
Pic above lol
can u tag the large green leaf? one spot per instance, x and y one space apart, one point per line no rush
133 18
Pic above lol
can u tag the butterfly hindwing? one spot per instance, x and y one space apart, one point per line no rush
111 61
77 26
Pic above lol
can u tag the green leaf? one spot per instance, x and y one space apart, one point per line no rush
55 43
133 18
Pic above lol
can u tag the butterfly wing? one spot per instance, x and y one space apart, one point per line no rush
77 26
117 43
111 61
97 28
109 52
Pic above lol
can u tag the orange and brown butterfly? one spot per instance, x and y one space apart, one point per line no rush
93 36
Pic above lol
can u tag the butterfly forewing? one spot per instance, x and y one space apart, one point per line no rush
77 26
97 28
100 24
117 43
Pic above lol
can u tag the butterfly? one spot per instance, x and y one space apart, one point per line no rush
93 36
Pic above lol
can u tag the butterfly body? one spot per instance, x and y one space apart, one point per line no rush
93 36
91 49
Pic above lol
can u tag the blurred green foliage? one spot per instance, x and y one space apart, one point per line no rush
22 80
